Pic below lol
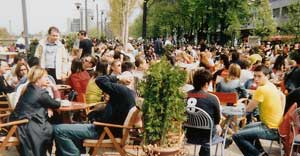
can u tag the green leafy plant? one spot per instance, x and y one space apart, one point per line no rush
32 47
70 39
164 104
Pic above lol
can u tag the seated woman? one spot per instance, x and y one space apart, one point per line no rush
116 68
209 103
93 92
222 69
32 105
231 83
278 69
79 79
21 71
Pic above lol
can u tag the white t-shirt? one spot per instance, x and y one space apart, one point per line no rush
245 75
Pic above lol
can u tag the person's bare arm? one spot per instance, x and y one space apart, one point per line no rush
252 105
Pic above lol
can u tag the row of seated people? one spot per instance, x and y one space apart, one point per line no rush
267 98
35 103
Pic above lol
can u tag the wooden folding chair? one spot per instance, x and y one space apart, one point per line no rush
112 142
11 139
5 105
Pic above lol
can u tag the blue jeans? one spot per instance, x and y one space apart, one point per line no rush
247 139
69 138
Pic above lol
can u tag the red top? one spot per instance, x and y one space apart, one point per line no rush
79 82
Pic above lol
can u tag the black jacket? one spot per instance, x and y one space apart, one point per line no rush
291 79
158 47
4 87
210 104
37 134
122 99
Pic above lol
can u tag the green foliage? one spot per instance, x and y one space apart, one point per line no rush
190 17
33 44
135 29
263 20
163 101
292 26
93 34
70 39
117 10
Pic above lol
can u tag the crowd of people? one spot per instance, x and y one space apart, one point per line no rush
109 71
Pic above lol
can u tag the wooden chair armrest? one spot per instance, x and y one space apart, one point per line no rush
4 102
109 125
4 115
3 95
18 122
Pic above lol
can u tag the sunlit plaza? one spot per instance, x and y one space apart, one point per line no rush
149 77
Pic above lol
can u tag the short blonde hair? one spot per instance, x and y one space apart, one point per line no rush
35 73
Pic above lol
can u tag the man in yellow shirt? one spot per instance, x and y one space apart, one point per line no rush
269 101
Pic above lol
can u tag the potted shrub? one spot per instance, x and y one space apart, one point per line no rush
163 108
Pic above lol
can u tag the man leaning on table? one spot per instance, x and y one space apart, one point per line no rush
69 137
269 101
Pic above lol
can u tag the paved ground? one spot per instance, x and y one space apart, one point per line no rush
231 151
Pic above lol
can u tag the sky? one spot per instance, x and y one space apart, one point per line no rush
42 14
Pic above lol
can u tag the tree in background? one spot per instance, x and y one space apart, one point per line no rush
195 19
292 26
121 10
116 17
4 33
263 19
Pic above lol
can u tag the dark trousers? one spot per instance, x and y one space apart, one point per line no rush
52 72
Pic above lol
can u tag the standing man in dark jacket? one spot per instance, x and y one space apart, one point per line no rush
69 137
291 79
158 47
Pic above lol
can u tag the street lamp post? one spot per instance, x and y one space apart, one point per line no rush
102 22
81 15
25 24
78 5
97 20
105 20
86 17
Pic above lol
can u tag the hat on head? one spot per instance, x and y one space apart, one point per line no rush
254 58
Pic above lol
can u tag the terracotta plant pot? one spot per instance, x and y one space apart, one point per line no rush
163 151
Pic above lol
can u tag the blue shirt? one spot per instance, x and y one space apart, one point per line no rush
50 55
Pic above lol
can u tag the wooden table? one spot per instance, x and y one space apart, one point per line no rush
63 87
73 107
66 110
